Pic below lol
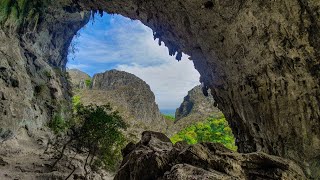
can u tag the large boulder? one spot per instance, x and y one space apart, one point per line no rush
155 157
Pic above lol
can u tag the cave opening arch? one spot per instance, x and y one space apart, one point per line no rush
260 62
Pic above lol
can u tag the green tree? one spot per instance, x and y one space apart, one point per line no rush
97 131
212 130
100 133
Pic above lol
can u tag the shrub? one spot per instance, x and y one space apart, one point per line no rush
212 130
58 124
88 82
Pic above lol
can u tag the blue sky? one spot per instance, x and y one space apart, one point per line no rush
116 42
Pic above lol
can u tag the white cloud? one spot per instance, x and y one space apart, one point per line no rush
125 41
128 45
77 66
170 82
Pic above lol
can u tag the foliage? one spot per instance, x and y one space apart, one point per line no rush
212 130
100 133
17 11
169 117
58 124
76 102
88 82
96 130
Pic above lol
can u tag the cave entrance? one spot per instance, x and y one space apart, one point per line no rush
116 42
109 47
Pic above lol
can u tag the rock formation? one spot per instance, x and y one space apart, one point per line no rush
128 94
155 157
196 107
259 58
197 104
79 79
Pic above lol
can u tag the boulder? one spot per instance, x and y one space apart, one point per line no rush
155 157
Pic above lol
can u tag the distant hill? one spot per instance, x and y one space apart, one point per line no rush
79 79
128 94
195 108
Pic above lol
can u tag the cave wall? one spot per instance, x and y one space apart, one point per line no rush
33 54
261 60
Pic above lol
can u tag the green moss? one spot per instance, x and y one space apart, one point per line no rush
5 7
17 12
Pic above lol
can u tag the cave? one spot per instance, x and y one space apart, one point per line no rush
259 58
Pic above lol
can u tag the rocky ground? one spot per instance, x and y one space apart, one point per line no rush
156 158
27 156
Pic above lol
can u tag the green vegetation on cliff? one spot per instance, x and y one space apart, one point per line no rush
17 11
212 130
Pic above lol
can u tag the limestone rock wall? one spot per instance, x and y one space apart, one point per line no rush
259 58
33 54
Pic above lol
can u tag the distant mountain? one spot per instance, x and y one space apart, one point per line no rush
128 94
79 79
195 108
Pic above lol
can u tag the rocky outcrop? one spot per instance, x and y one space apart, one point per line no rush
197 104
129 95
155 157
259 58
33 53
79 79
196 107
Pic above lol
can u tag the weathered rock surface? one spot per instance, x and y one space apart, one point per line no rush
29 156
155 157
128 94
197 104
259 58
78 79
196 107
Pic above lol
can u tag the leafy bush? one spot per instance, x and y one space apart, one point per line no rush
212 130
88 82
58 124
76 102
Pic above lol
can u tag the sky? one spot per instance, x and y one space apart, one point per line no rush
116 42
